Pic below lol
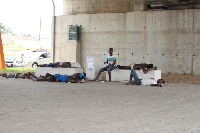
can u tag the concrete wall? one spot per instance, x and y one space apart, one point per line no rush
72 7
169 39
66 50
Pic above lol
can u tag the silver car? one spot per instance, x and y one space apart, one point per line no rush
9 61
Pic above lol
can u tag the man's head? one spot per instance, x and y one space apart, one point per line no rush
110 51
4 75
150 66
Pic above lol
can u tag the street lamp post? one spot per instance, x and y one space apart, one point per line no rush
53 23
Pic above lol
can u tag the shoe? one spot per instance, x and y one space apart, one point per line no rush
82 81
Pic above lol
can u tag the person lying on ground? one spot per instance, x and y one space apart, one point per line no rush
28 75
78 77
23 76
19 75
41 78
75 78
57 64
8 75
50 65
160 82
111 61
145 68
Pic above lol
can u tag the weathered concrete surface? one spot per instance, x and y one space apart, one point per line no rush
96 107
169 39
72 7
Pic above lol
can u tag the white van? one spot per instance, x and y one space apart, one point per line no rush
38 58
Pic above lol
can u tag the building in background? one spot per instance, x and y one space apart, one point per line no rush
14 45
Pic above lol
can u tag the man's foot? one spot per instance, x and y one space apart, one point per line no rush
129 83
95 79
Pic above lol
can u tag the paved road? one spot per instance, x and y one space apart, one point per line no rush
97 107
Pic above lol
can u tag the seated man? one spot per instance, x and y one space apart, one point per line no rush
111 61
145 68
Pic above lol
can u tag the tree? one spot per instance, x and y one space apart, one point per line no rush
5 30
22 34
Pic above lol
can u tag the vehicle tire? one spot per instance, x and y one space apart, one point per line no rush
35 65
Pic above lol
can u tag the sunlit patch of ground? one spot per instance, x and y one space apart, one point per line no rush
181 78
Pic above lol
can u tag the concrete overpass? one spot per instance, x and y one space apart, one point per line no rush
165 33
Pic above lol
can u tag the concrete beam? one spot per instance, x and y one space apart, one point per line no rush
174 1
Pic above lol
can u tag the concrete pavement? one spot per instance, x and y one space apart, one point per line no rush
97 107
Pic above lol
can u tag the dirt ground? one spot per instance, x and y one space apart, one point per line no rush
98 107
181 78
175 78
169 77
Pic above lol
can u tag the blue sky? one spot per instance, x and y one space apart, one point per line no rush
23 16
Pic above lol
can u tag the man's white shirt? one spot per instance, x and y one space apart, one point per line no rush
111 59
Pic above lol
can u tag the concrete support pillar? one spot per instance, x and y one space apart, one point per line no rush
2 61
73 52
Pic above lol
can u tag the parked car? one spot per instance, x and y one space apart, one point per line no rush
18 62
38 58
40 50
9 61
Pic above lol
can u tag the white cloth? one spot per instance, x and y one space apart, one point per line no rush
75 64
148 82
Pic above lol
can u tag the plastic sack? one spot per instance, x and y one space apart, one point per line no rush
148 82
75 64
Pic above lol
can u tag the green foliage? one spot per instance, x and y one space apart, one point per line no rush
14 70
4 29
14 34
22 34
